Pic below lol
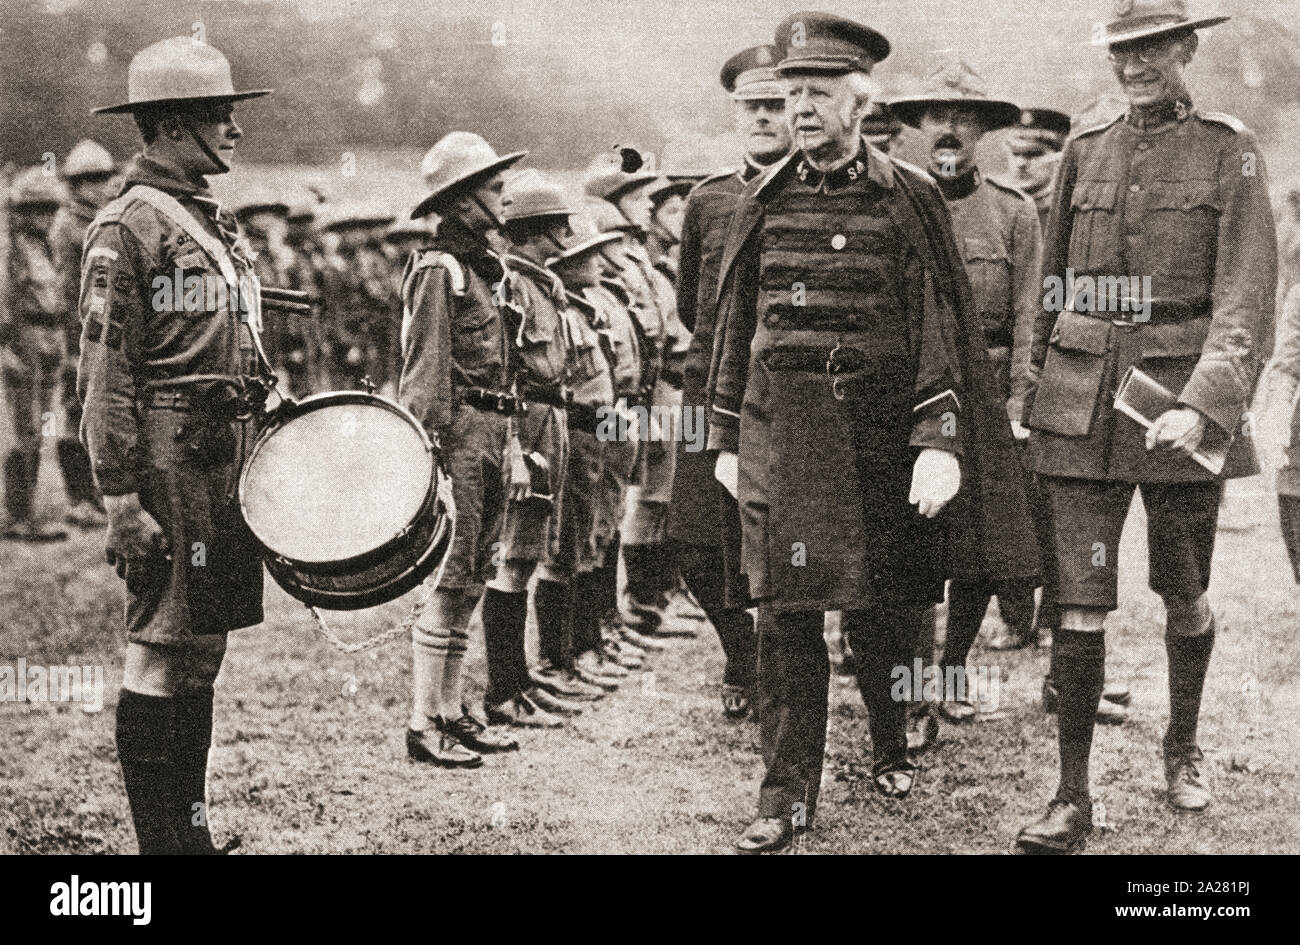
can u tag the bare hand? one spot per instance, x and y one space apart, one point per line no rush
1179 430
1019 430
727 471
936 477
134 536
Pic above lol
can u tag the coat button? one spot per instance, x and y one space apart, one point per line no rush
773 319
1136 188
839 241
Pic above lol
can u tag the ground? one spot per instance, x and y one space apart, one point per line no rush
309 754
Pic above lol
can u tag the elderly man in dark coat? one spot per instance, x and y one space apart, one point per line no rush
848 386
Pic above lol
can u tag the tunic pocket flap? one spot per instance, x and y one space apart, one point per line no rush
187 262
1095 195
1075 332
1184 194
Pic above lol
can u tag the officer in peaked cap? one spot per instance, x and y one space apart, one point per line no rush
844 423
703 517
91 178
32 321
145 374
1169 206
1034 145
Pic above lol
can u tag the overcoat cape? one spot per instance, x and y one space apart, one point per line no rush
987 532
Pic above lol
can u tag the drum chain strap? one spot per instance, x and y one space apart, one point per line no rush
404 628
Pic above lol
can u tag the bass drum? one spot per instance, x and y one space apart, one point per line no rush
344 494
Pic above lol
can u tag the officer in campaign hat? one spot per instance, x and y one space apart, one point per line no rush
145 374
1170 207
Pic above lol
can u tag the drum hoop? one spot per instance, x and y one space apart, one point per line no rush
291 410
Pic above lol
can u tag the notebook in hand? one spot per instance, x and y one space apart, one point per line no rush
1141 398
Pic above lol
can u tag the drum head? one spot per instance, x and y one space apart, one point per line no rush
340 479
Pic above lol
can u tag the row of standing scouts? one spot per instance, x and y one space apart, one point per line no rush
526 316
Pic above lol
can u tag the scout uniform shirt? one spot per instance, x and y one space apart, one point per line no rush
1180 197
155 307
997 234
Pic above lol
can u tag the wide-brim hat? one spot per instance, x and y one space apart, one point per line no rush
175 71
529 195
822 42
956 84
254 207
581 246
671 185
612 183
458 158
1143 19
88 159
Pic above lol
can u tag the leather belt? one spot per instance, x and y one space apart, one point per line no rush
1168 312
480 398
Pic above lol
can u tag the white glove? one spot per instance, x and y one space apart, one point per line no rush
726 471
1019 430
936 477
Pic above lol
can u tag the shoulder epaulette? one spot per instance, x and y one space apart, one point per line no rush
1228 121
1093 129
436 259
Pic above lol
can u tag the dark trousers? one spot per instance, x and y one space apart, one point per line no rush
793 677
703 569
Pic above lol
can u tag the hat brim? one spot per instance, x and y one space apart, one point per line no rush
637 180
997 113
357 223
1157 29
759 92
586 246
425 206
827 65
126 107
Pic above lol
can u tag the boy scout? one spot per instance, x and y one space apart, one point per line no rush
846 387
32 320
170 405
458 381
997 232
703 518
91 178
1180 198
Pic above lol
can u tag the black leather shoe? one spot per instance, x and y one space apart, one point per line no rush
473 734
1063 829
735 701
640 640
1117 693
521 712
565 685
438 748
896 781
1188 788
552 704
765 835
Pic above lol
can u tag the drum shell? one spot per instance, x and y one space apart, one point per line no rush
381 574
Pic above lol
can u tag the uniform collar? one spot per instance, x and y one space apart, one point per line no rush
1159 115
145 170
958 188
869 163
456 238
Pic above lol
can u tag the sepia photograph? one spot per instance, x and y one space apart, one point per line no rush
649 427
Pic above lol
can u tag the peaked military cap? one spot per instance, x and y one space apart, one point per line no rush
176 70
458 159
1039 128
750 74
821 42
1145 19
956 84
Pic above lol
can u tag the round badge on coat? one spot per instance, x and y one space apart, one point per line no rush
839 241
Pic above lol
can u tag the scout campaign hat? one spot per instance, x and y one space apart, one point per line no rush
252 208
530 194
610 183
352 214
822 42
457 159
180 69
88 159
1143 19
1039 129
750 74
32 187
956 84
586 237
672 184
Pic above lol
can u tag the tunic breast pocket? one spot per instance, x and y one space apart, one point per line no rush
989 269
196 288
1094 236
1182 235
1066 401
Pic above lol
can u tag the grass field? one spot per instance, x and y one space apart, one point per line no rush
309 754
